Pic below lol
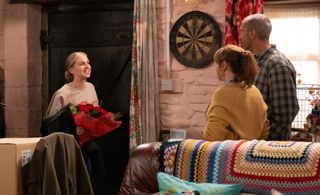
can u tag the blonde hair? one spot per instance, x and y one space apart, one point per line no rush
70 61
242 63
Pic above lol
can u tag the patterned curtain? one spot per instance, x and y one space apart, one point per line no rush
144 102
236 11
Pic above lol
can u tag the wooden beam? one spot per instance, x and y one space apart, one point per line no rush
290 2
67 1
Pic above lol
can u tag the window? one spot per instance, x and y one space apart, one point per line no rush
296 32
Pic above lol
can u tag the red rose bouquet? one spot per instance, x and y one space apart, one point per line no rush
95 121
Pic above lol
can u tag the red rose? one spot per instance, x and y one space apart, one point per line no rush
99 110
95 127
84 107
95 121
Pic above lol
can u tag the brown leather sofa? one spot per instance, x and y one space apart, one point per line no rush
140 175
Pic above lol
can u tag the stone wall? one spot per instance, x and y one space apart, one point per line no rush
22 69
186 109
2 108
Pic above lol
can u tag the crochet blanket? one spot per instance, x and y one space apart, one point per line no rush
287 166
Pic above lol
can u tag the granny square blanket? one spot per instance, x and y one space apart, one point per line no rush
287 166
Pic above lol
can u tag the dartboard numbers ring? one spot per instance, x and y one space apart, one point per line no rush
194 38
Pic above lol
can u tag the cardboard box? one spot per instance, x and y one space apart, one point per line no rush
15 153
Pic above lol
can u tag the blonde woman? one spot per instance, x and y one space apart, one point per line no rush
237 110
77 89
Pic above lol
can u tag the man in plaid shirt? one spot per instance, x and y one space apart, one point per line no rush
276 79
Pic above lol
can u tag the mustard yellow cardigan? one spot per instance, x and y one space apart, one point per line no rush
236 113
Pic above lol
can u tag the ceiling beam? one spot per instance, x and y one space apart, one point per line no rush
290 2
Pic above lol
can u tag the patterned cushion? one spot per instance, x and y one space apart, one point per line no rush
287 166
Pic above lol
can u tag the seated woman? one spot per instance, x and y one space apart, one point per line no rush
237 110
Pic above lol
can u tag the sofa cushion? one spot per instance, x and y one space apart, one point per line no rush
169 184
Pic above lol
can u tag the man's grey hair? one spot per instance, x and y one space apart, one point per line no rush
260 23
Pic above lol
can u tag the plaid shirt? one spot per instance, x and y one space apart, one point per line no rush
276 81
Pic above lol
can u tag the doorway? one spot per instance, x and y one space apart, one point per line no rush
104 32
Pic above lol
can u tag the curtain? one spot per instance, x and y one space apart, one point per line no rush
144 102
236 11
296 32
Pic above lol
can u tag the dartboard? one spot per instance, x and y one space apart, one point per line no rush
194 38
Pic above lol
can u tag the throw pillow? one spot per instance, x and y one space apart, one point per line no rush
170 185
275 192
